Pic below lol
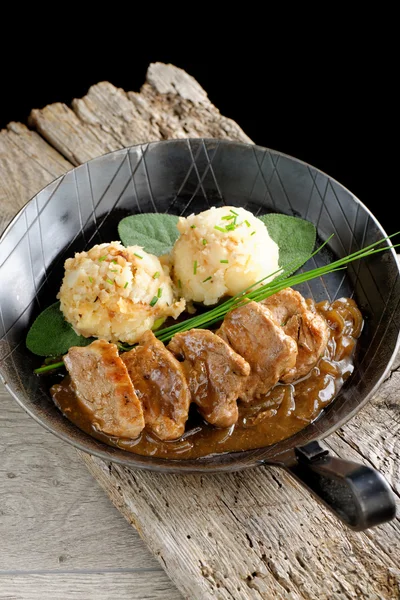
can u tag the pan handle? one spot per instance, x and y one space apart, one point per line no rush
359 495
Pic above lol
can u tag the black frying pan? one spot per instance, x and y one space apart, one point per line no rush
84 206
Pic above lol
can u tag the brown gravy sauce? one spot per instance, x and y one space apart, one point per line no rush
281 413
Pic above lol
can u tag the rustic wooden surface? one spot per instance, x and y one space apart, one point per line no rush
249 535
59 534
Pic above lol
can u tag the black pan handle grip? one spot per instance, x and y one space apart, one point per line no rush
359 495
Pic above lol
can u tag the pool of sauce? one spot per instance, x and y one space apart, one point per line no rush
282 412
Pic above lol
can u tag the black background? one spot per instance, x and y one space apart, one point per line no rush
328 99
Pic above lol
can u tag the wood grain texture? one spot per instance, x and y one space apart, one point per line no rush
88 586
254 534
171 104
27 164
52 515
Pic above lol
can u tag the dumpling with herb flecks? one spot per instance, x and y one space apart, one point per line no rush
221 252
116 293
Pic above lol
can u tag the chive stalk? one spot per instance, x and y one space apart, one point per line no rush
56 365
257 294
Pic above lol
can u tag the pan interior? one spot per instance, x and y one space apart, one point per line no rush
83 208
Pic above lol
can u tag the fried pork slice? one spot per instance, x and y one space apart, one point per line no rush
101 382
214 372
308 328
161 386
253 333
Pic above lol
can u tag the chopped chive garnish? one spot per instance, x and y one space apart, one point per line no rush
114 261
235 213
254 233
114 270
195 267
207 279
159 292
204 242
179 283
126 285
110 281
231 227
224 261
193 227
138 255
247 223
156 275
91 279
102 258
154 301
220 228
227 217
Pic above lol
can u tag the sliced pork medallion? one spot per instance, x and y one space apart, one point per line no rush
253 333
215 374
300 320
101 382
161 387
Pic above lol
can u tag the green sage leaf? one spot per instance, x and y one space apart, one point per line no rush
51 335
156 233
295 237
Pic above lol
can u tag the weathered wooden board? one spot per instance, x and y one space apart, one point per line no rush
27 164
257 533
88 586
52 516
